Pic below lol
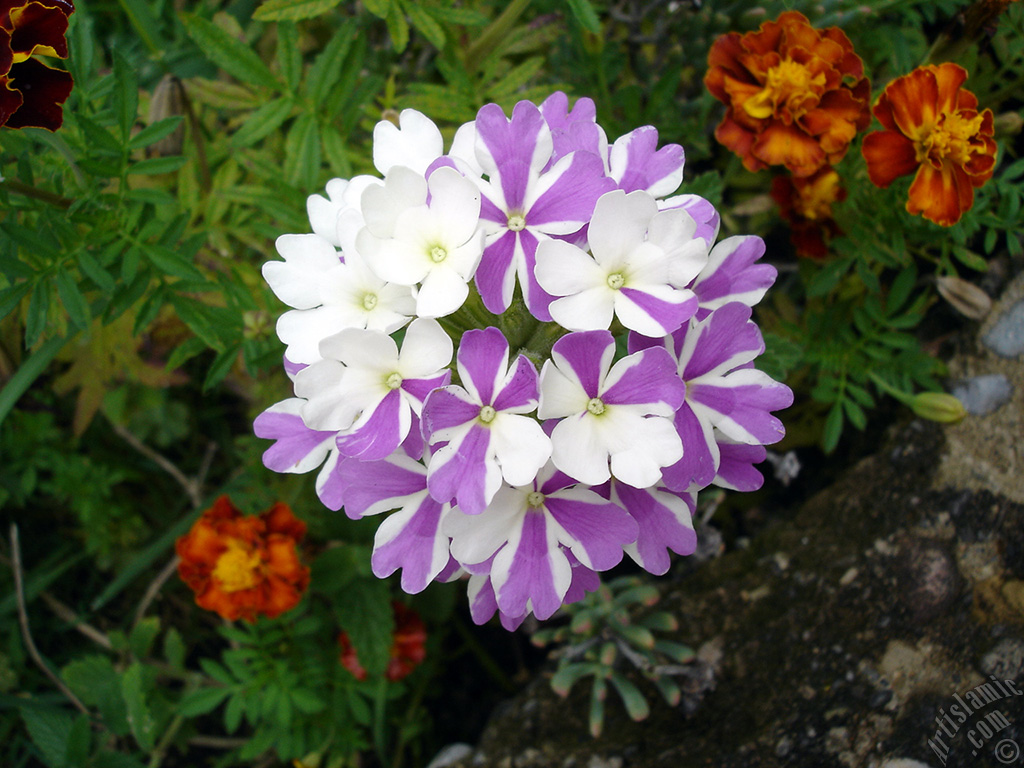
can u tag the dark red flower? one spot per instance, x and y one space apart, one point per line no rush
806 203
31 93
408 647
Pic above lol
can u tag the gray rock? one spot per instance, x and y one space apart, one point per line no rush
1005 660
983 394
1007 336
450 754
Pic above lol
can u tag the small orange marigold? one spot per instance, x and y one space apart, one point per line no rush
795 96
932 129
244 566
806 203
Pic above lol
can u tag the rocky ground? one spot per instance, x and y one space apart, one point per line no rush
852 632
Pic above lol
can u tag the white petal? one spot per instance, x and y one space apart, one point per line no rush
455 205
620 224
521 447
415 143
426 350
443 292
563 269
382 204
294 280
588 311
303 329
560 395
654 443
578 449
476 537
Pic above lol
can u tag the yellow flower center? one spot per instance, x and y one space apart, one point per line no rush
438 254
487 414
238 568
369 301
516 222
595 406
616 281
789 84
949 137
535 500
394 381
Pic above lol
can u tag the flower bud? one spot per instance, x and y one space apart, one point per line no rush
938 406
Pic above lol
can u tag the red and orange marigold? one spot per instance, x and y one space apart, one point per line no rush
244 566
806 204
932 129
31 93
795 96
408 648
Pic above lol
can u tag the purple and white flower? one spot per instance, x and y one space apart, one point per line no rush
487 438
615 419
641 261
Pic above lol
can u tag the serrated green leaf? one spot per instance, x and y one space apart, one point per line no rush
517 77
289 57
185 351
139 718
172 263
151 134
206 322
221 366
140 641
855 414
38 307
366 616
72 299
292 10
233 713
379 8
467 17
201 701
126 96
49 730
79 742
425 24
302 153
154 166
585 14
306 701
100 139
971 259
327 67
174 649
10 297
230 54
334 152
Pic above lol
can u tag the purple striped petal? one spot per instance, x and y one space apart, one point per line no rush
495 278
372 488
724 340
572 130
379 435
669 315
700 210
664 523
749 420
598 529
700 452
297 448
464 470
482 604
482 363
421 388
585 355
537 299
329 484
645 377
411 539
570 192
512 150
732 275
531 572
584 580
637 163
736 469
447 408
520 389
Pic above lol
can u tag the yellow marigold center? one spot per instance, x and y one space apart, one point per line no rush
788 84
238 568
815 199
949 137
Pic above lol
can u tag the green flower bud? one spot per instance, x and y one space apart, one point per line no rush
938 406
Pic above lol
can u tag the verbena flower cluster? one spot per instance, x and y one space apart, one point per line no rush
527 351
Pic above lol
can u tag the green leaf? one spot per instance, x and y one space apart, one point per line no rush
217 671
208 323
94 680
38 307
174 649
99 138
230 54
327 67
398 27
970 259
833 428
11 296
50 730
200 702
597 697
221 366
855 414
92 269
72 299
335 568
79 742
827 277
306 701
379 8
366 615
126 95
172 263
636 704
116 760
292 10
586 15
302 153
289 57
567 676
154 166
185 351
151 134
233 713
900 290
263 122
140 641
139 718
334 152
464 16
425 24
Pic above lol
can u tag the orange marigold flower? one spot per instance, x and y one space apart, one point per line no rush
408 650
806 203
31 93
243 566
795 96
932 129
